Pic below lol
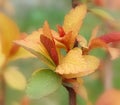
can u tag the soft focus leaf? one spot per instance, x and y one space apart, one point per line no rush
99 2
43 83
114 52
2 56
109 97
15 78
80 89
102 14
82 41
74 64
110 37
97 43
8 32
22 54
32 44
94 34
73 20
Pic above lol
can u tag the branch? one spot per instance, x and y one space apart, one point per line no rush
75 3
72 96
2 90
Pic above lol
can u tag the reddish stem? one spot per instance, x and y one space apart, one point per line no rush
72 96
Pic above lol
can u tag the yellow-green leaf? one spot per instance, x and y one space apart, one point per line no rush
102 14
14 78
8 32
43 83
74 64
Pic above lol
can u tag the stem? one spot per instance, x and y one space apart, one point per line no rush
107 74
72 96
75 3
2 83
2 90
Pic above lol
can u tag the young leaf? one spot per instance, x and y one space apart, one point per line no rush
75 64
73 20
15 78
32 44
43 83
47 40
72 23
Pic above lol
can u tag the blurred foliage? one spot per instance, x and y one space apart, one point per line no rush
29 18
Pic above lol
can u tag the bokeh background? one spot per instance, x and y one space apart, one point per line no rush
30 15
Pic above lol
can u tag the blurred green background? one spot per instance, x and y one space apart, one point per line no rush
30 15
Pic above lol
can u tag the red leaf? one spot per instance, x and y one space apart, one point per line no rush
51 48
99 2
110 37
61 31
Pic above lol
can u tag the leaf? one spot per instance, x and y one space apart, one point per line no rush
114 52
8 32
43 83
102 14
110 37
93 35
97 43
109 97
48 42
15 78
99 2
32 44
82 41
22 54
73 20
2 56
74 64
72 23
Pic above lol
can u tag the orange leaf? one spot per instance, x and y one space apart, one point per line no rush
47 31
96 43
109 97
72 23
74 64
73 20
32 44
93 35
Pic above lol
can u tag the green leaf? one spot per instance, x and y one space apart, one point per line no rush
102 14
43 83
